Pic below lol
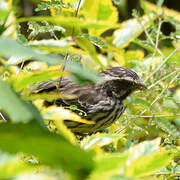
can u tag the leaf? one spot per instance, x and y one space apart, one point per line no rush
26 79
107 166
118 177
63 130
160 3
12 165
167 127
59 46
45 27
17 59
50 4
18 49
129 30
17 109
169 105
145 158
3 12
87 46
134 162
99 140
50 149
163 10
71 22
50 43
134 55
147 165
83 76
10 23
47 96
96 41
143 149
60 114
107 12
138 101
100 11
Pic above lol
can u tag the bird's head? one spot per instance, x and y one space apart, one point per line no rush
121 81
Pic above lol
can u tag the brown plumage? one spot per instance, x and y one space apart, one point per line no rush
102 103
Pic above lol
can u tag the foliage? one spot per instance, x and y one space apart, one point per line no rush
86 37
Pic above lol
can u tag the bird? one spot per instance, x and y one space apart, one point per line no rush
102 103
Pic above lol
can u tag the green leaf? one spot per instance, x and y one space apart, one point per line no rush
50 4
12 165
25 79
143 149
83 76
147 165
99 140
46 96
71 22
88 47
18 49
3 13
159 3
167 127
49 148
129 30
145 158
3 9
17 109
96 41
138 101
108 166
18 59
102 11
45 27
118 177
63 43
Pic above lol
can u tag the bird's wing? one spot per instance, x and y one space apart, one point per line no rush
51 86
85 96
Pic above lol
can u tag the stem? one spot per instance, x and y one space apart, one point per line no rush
76 13
165 77
155 100
67 54
154 116
163 62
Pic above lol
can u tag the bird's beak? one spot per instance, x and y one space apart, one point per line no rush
141 85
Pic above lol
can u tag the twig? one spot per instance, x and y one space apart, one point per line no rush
150 39
163 62
157 38
76 13
67 54
154 115
155 100
156 47
158 32
165 77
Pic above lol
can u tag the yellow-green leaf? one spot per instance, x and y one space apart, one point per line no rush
100 140
59 113
129 30
71 22
100 11
89 47
147 165
26 79
107 166
12 165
